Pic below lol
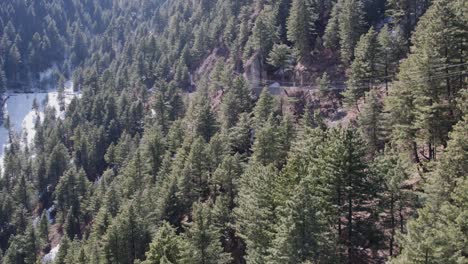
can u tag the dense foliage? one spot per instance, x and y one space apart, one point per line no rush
173 155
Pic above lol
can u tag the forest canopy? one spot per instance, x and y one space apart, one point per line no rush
237 131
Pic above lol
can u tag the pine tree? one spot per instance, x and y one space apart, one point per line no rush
433 241
165 248
204 120
391 50
153 151
63 250
267 148
437 234
30 245
264 107
331 37
256 211
371 121
301 232
287 134
301 26
406 13
3 80
341 183
61 92
13 64
324 84
127 238
264 34
422 99
240 135
230 109
43 230
350 24
21 192
392 172
161 110
363 68
226 178
72 222
202 240
281 57
57 163
193 181
22 249
216 150
402 115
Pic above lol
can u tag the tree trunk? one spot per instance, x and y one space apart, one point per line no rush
415 153
339 208
401 217
339 223
429 146
392 239
350 219
386 76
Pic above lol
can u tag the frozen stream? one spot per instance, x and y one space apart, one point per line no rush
22 117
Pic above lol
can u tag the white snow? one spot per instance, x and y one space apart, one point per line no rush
49 257
47 74
23 118
29 122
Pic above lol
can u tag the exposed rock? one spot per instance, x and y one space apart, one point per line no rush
253 71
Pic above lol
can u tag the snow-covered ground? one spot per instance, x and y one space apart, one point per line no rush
23 118
49 257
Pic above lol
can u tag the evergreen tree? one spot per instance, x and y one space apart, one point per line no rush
201 241
256 211
3 80
391 50
63 250
331 37
390 169
43 230
437 233
301 233
264 34
324 84
342 183
127 238
161 110
13 64
267 145
165 247
422 99
230 109
301 26
363 68
194 175
371 122
281 57
57 163
264 107
350 24
154 150
204 120
226 178
72 222
240 135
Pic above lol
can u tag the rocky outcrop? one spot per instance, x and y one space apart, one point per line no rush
254 72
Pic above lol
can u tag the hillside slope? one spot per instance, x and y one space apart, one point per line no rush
238 131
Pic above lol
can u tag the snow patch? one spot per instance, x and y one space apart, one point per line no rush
23 118
28 125
47 74
49 257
